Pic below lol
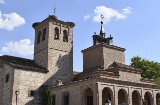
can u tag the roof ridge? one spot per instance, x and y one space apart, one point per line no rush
14 57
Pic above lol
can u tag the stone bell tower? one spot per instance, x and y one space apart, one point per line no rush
102 53
53 48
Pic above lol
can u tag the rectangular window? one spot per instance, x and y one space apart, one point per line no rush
66 98
7 78
54 99
31 93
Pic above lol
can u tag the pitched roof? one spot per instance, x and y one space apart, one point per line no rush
22 63
125 67
55 19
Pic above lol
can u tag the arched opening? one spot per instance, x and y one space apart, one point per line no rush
44 34
56 33
136 98
107 94
65 36
158 99
122 97
39 37
89 97
147 99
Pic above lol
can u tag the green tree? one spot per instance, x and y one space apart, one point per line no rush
144 102
158 101
150 69
46 97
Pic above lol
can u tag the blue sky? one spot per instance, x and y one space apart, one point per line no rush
134 25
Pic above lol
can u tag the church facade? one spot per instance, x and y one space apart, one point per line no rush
104 77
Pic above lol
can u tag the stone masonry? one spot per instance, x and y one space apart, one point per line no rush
55 55
101 56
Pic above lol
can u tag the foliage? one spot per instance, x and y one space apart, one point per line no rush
150 69
145 102
158 103
46 97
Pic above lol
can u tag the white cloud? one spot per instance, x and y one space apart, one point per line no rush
109 14
23 47
10 21
127 10
87 17
2 1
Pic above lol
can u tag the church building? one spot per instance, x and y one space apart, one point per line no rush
105 77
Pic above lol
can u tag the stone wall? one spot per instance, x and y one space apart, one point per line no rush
1 84
60 67
112 54
25 81
77 91
54 54
7 87
102 56
41 49
93 58
128 89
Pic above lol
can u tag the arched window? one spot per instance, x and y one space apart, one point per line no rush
107 94
65 36
44 34
39 37
136 100
122 97
56 33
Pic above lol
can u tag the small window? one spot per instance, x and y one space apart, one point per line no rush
31 93
7 78
66 98
39 37
65 36
44 34
56 33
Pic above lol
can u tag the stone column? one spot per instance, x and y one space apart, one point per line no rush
154 97
99 96
96 95
129 96
115 95
142 96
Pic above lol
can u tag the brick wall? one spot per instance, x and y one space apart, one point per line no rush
112 54
102 56
93 58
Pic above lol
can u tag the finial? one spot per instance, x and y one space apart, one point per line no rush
54 10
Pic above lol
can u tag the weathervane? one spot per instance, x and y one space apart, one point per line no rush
102 17
55 10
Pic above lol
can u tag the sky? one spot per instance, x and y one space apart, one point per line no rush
133 24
